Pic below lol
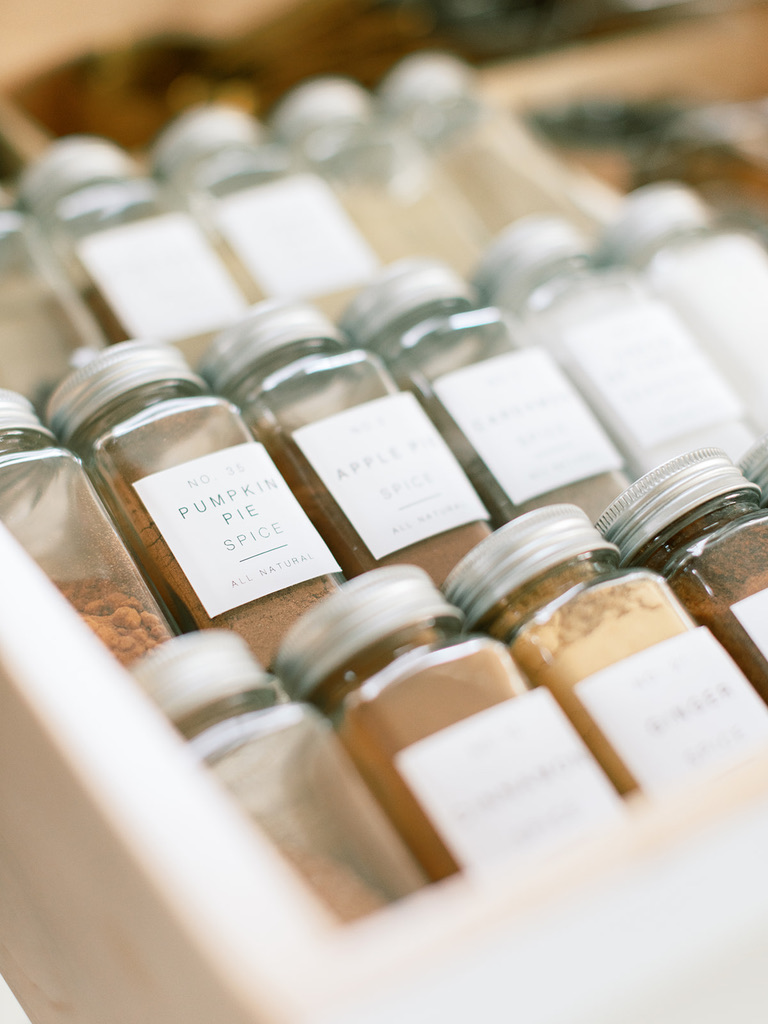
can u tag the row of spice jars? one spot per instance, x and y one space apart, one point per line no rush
226 210
580 679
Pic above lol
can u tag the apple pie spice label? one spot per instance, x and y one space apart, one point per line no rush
391 472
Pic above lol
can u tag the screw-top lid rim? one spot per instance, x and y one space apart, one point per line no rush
425 77
18 413
318 102
648 216
202 131
267 327
69 163
187 673
518 552
113 372
654 502
402 287
364 610
525 246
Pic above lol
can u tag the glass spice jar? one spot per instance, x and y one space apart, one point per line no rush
631 356
472 768
488 153
714 275
284 766
49 504
42 321
145 268
394 192
657 699
365 461
697 521
522 432
279 226
198 500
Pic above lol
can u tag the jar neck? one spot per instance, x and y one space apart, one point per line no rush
546 279
283 361
220 710
126 405
700 522
392 343
515 609
329 693
20 440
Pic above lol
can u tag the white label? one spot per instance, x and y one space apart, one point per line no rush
527 423
390 471
234 527
752 613
679 707
513 781
162 278
650 374
295 238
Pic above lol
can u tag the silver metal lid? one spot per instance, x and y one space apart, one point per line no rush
190 672
517 553
402 287
426 78
647 217
265 328
201 132
656 500
17 413
113 372
70 163
527 246
363 611
317 103
754 465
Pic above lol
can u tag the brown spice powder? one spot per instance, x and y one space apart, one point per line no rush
121 621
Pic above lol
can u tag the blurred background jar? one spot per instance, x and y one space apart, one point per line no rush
282 763
520 429
488 153
394 192
713 274
49 504
42 320
145 269
633 358
279 226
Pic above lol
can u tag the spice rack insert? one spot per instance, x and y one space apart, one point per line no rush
133 889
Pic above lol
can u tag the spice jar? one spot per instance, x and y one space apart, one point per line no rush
280 227
715 276
284 766
199 501
393 191
42 321
697 521
631 356
522 432
487 152
145 269
49 504
656 698
363 458
472 768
